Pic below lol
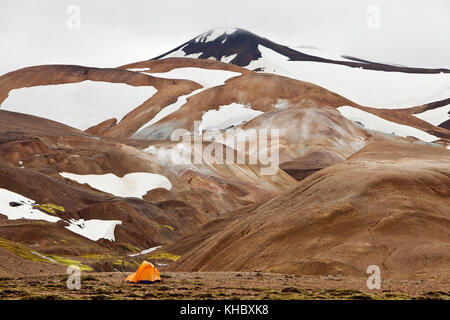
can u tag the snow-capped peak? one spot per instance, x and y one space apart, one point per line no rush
243 46
215 33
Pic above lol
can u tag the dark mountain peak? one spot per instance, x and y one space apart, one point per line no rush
233 45
241 47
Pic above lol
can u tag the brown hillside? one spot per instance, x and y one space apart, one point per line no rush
387 205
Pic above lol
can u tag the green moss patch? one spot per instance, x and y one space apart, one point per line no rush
50 208
163 255
162 227
126 263
70 262
20 250
129 247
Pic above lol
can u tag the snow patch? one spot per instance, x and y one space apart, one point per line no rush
80 105
205 77
135 184
181 54
171 108
146 251
139 69
226 116
377 89
15 207
94 229
229 58
214 34
320 53
43 257
435 116
373 122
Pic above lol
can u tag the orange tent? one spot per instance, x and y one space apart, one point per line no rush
146 273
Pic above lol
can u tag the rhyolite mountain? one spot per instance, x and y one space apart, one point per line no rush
87 162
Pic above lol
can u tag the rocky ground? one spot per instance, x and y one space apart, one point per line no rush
218 285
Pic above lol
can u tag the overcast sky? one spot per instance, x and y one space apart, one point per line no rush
112 33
